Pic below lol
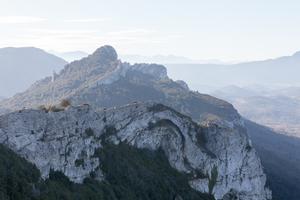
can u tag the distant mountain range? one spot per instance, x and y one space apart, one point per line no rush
20 67
281 71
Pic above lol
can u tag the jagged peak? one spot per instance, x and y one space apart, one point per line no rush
104 57
106 53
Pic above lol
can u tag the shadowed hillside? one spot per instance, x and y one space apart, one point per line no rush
280 156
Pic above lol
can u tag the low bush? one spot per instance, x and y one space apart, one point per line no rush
65 103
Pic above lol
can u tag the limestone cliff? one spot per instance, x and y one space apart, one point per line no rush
216 156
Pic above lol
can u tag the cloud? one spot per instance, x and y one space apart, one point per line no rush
67 39
90 20
20 19
62 31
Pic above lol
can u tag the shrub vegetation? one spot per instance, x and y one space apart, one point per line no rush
130 174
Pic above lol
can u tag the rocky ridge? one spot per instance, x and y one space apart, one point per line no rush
66 141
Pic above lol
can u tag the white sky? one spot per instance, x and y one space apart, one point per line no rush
213 29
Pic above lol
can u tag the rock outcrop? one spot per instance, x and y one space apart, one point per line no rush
66 141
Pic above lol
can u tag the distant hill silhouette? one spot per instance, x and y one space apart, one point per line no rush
283 70
20 67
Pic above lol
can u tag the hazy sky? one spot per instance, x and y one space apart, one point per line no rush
212 29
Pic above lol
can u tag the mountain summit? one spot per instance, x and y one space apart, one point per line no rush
106 54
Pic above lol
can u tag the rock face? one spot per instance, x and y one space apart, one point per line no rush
67 140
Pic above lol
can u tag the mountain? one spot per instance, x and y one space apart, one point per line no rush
282 71
104 81
71 55
216 157
20 67
103 85
276 108
280 156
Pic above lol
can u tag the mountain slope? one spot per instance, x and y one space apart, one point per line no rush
216 157
20 67
280 157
